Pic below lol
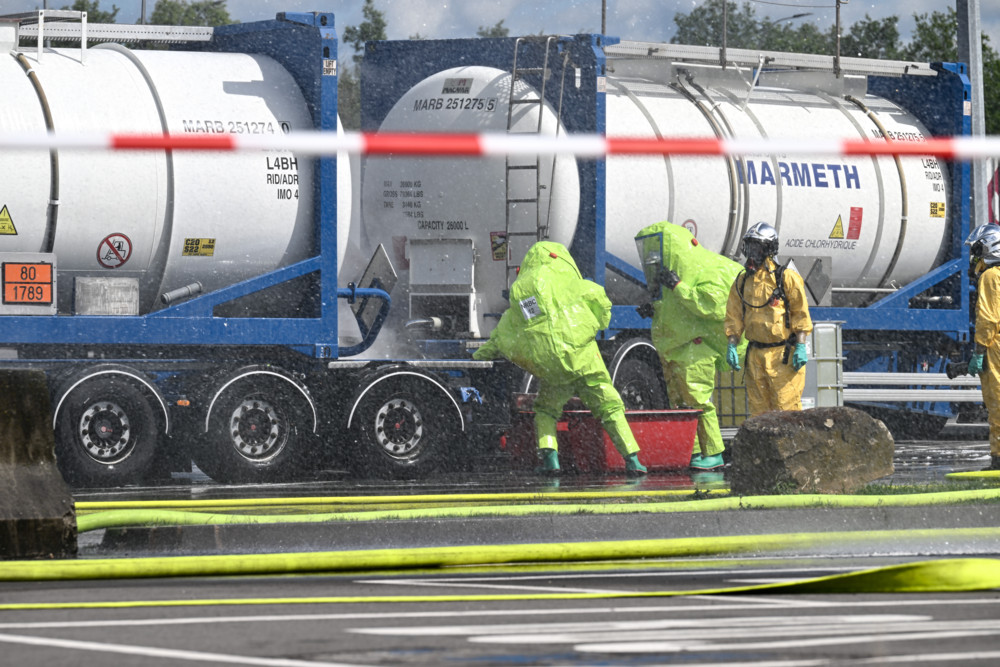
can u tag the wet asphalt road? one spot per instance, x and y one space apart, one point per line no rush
917 462
770 631
315 619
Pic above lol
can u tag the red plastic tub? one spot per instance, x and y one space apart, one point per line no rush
665 437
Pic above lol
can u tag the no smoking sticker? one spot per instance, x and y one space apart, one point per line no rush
114 251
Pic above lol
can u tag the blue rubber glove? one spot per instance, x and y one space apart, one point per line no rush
800 357
733 357
976 364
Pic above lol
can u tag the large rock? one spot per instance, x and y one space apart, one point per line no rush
37 516
824 450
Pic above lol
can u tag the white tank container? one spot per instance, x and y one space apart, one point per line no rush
434 213
877 223
850 210
166 220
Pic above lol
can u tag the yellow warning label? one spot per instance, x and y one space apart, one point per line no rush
199 247
6 224
937 209
838 229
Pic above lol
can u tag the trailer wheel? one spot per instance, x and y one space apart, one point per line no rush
405 429
105 433
640 386
259 431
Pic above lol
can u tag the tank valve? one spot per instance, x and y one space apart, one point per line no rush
180 293
432 323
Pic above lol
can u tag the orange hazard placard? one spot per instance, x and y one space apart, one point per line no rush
27 283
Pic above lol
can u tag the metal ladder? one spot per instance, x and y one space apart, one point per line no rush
540 231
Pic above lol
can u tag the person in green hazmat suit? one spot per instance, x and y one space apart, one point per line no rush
689 285
549 330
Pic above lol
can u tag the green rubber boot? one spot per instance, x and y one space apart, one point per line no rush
699 462
632 466
550 462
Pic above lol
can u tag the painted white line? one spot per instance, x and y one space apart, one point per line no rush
853 640
502 587
928 657
770 663
706 633
814 571
670 606
543 630
766 601
170 654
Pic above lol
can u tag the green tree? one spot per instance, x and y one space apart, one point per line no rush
371 29
349 80
703 25
94 14
182 12
349 98
498 30
935 39
867 38
871 38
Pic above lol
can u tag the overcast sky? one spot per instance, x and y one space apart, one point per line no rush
648 20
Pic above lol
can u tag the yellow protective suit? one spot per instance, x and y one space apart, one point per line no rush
687 322
549 330
771 380
988 338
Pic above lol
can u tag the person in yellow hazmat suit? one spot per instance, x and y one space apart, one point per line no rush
985 362
549 330
767 303
689 285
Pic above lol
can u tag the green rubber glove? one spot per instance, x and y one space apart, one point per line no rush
976 364
733 357
800 357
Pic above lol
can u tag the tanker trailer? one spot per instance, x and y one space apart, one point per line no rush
878 239
181 303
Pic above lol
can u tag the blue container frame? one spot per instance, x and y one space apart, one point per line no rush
300 42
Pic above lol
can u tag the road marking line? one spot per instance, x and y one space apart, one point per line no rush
703 634
769 601
929 657
652 573
853 640
170 654
667 608
754 624
502 587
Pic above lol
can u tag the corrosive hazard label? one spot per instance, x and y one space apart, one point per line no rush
838 229
854 225
114 251
6 223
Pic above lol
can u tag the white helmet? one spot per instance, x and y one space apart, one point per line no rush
984 243
759 243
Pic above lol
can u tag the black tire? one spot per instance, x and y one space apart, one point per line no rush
106 433
260 430
640 385
405 428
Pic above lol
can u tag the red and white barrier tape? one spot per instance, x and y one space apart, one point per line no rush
473 145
